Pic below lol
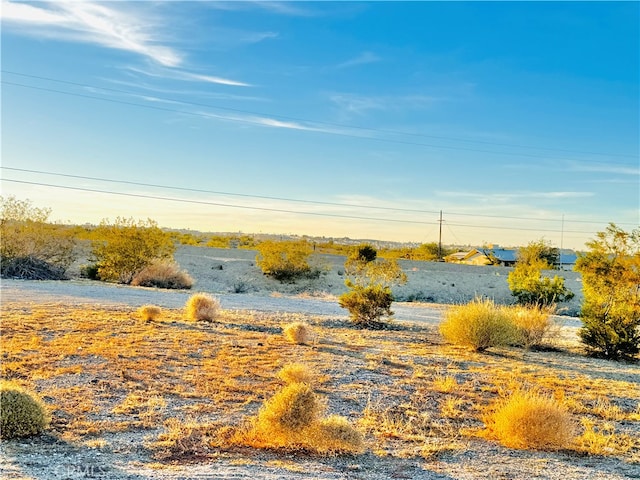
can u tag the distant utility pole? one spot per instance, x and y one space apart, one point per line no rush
440 239
561 244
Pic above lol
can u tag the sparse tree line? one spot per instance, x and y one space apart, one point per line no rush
140 253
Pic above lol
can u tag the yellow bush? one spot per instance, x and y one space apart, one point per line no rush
286 261
335 434
295 373
479 324
202 307
533 325
292 409
22 413
149 312
297 332
528 420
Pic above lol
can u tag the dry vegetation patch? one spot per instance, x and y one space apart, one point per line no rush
185 391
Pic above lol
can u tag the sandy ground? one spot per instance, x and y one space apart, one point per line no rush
222 272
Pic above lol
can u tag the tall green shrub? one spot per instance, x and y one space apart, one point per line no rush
528 284
125 247
611 285
369 281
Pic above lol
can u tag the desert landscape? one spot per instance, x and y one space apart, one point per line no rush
165 399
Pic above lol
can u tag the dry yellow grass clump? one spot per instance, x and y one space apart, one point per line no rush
163 275
202 308
295 373
149 313
292 418
533 325
22 413
479 324
529 420
335 434
298 332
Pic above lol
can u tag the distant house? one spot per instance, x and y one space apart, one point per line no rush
505 257
485 256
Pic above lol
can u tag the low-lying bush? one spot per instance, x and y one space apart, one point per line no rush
22 413
295 373
479 324
202 308
163 275
533 325
149 312
528 420
298 332
335 434
293 419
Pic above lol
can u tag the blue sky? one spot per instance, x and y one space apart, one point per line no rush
507 116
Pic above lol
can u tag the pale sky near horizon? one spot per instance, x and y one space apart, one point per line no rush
519 120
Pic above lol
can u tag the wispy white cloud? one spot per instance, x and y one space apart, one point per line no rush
124 28
272 122
179 74
617 169
513 196
361 104
362 59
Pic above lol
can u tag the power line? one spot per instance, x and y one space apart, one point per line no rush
262 124
217 204
197 190
296 200
317 122
278 210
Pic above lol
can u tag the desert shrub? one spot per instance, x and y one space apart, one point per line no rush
530 287
22 413
367 304
290 410
533 325
479 324
31 268
163 274
32 248
286 261
295 373
126 247
90 271
611 284
202 307
528 420
526 281
369 281
298 332
293 418
335 434
149 312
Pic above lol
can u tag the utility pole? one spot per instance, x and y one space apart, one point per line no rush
561 244
440 239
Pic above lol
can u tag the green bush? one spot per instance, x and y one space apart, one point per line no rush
126 247
286 261
32 248
367 304
528 284
611 285
479 324
22 413
369 281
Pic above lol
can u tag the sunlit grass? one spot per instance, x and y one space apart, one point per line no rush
190 387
